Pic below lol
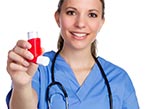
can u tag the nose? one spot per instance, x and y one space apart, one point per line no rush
80 22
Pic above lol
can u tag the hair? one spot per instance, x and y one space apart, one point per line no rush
61 40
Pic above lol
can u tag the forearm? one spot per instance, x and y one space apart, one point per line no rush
25 98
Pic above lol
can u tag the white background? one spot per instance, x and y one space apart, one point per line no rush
121 40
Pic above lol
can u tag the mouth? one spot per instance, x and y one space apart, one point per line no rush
79 34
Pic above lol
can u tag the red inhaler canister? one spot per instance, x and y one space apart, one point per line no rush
36 50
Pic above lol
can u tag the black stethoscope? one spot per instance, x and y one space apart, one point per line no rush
53 83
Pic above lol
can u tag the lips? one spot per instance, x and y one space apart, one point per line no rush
79 34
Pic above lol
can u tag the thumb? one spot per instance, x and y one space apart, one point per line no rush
32 69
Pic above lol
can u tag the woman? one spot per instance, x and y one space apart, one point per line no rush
75 67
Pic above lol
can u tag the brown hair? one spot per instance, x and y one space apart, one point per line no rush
61 41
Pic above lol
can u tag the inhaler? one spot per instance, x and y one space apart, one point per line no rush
36 49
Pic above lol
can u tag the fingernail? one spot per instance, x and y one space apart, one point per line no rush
30 56
27 45
26 63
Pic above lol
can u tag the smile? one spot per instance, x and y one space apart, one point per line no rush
79 34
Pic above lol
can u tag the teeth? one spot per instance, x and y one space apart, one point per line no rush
79 35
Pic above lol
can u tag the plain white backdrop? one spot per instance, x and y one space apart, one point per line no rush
121 39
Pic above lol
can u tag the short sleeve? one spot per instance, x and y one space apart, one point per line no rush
130 99
8 98
131 102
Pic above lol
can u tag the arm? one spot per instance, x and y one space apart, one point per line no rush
25 98
21 72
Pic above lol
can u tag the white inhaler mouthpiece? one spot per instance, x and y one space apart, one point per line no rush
36 49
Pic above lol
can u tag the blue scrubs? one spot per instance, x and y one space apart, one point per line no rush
92 94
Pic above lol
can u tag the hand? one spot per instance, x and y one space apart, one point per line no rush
18 66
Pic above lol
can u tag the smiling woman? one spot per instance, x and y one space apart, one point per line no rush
93 19
76 71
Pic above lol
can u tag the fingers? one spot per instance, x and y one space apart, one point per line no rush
18 65
18 57
23 44
13 57
20 54
21 49
32 68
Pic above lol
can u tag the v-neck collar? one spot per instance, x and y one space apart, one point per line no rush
91 80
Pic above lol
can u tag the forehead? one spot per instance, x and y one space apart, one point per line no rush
83 4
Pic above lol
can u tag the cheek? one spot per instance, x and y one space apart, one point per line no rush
65 23
95 26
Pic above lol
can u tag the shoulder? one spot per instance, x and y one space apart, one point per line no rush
121 84
116 74
110 66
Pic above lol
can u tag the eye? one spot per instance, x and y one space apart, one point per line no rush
70 13
93 15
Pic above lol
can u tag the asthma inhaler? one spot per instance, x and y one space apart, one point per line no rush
36 49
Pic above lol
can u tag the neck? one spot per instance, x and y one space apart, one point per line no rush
81 62
79 59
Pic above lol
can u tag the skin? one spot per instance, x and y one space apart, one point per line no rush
21 72
80 17
77 17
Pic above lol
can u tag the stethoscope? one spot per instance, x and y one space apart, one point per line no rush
61 87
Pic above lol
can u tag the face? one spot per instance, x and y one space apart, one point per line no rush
80 21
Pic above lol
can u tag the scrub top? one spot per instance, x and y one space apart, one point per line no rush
92 94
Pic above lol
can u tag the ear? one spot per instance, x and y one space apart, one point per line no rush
56 15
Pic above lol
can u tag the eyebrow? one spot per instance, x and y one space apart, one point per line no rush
70 8
94 10
89 10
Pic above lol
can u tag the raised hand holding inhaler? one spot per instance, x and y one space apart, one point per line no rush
36 49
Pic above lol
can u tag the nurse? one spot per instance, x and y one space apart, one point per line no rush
75 67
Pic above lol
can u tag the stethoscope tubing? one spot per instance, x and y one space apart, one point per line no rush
106 82
63 89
